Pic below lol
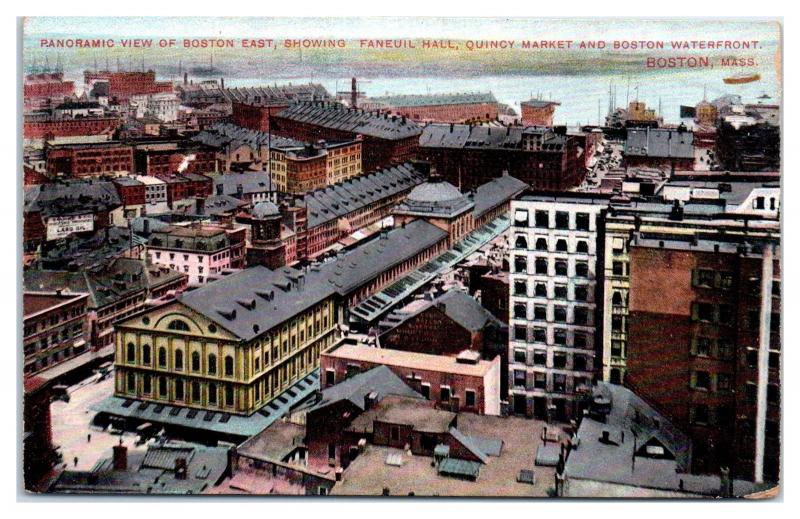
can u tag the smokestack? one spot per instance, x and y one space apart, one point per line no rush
222 82
353 93
185 78
120 456
146 227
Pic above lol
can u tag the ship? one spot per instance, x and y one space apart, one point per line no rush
741 78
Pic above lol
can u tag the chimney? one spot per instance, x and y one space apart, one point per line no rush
239 191
370 400
120 456
219 189
180 468
185 78
146 227
451 127
222 82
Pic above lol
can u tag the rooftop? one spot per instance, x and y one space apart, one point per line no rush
36 302
408 359
435 197
379 380
463 136
338 117
660 142
400 101
415 412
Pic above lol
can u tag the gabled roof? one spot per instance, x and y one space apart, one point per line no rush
338 117
401 101
379 380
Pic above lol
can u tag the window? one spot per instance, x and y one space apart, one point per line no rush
195 361
521 242
560 291
560 337
705 278
702 346
520 264
520 356
540 312
539 335
519 378
704 312
178 325
561 268
162 386
146 354
540 380
540 289
229 395
559 383
579 341
581 315
702 380
426 391
228 366
618 268
773 394
560 314
542 219
212 364
541 244
562 220
581 269
541 266
470 398
616 298
131 382
579 363
444 393
179 389
131 353
147 384
582 247
212 394
394 433
179 360
561 245
520 288
723 382
162 357
520 312
330 377
582 221
195 391
700 414
520 333
559 360
539 358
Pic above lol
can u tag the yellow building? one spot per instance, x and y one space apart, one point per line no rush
344 161
231 346
300 169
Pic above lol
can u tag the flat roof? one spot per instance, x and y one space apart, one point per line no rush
36 302
408 359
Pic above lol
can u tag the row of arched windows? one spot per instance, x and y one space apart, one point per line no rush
178 361
195 389
581 246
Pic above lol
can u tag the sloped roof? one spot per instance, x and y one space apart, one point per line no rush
495 192
660 142
434 99
380 380
338 117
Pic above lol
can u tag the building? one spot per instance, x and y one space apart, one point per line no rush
386 139
39 454
155 194
43 126
173 468
468 156
556 251
297 170
155 157
443 108
57 210
122 85
748 144
55 329
624 448
42 89
231 346
250 187
456 383
494 289
117 287
635 115
538 112
241 149
666 148
207 93
267 246
185 187
84 160
704 344
201 251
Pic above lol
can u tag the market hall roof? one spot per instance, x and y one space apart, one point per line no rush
336 116
464 136
435 99
342 198
435 197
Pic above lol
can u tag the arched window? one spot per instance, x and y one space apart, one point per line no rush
212 394
179 389
195 391
195 361
146 354
147 385
131 353
616 299
522 242
131 382
212 364
228 366
162 386
162 357
229 395
178 325
179 359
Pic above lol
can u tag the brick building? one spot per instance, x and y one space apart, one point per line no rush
443 108
44 126
538 112
39 454
84 160
55 329
468 156
160 157
704 345
124 84
386 139
185 186
462 383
